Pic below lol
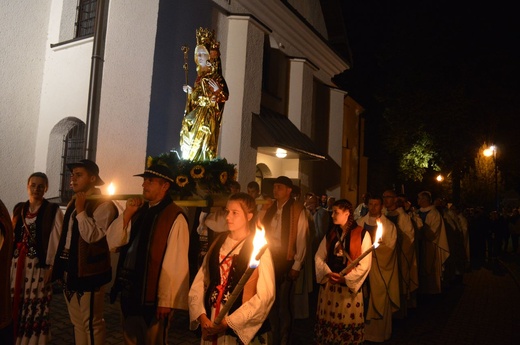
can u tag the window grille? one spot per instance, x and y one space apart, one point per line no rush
73 151
85 18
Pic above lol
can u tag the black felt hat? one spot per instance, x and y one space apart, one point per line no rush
90 167
284 180
157 170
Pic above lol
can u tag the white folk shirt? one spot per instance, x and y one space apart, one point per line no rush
92 229
301 237
174 276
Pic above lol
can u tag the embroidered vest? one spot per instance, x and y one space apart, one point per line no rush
140 261
353 241
238 267
88 266
159 241
44 225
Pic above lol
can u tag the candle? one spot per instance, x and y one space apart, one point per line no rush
377 241
259 247
111 189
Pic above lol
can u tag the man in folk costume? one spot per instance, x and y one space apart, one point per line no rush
6 253
287 232
383 277
82 260
153 274
405 246
433 245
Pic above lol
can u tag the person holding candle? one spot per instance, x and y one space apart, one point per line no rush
152 238
37 226
220 273
340 318
383 298
82 261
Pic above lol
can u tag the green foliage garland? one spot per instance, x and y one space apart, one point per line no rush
197 178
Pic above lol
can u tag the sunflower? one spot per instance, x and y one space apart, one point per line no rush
197 171
182 180
223 177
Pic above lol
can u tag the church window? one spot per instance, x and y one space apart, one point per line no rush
85 18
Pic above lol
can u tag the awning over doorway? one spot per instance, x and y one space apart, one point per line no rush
271 130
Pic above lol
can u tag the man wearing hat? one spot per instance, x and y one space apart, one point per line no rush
287 231
152 275
82 260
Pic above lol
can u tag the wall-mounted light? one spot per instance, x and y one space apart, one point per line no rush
281 153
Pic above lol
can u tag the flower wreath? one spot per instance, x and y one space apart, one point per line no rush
197 178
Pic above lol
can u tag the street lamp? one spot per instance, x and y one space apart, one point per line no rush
492 152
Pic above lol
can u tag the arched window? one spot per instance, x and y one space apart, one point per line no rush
73 151
66 145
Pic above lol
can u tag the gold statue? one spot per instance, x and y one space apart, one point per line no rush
205 101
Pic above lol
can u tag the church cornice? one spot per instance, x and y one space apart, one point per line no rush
295 37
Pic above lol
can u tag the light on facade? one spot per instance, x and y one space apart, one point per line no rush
281 153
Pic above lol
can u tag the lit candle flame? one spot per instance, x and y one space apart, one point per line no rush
111 189
379 233
258 243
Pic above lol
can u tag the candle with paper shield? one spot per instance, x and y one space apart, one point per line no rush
259 247
377 241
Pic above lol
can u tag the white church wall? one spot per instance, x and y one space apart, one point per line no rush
243 73
21 73
126 90
66 75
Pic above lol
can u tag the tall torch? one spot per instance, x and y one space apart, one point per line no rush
259 247
377 241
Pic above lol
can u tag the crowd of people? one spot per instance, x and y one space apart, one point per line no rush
320 250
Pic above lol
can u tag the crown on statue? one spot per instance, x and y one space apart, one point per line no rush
206 37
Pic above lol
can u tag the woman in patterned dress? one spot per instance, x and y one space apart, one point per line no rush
37 226
222 268
340 317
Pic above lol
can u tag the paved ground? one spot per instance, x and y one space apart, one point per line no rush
484 309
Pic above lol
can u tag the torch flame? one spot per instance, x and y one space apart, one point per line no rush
258 243
111 189
379 233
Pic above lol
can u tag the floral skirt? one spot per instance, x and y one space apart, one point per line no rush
33 315
340 318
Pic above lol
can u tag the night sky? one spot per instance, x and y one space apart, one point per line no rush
439 48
